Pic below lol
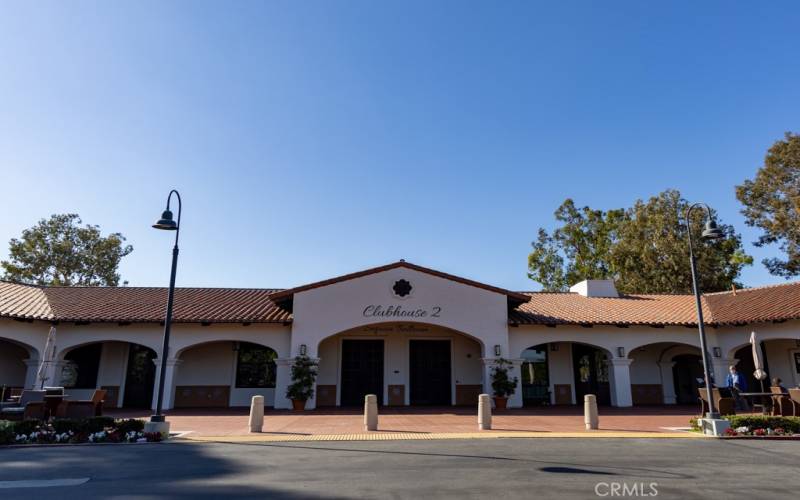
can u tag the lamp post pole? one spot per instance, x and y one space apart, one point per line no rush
711 232
167 223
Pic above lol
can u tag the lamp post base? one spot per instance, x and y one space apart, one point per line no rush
714 426
159 427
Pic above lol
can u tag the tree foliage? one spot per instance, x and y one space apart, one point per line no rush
644 248
59 251
772 203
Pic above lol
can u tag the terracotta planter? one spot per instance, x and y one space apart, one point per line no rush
298 404
500 403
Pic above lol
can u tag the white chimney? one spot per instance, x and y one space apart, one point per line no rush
595 288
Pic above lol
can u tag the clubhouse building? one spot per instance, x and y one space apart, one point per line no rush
411 335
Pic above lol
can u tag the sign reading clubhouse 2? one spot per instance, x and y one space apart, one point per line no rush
374 311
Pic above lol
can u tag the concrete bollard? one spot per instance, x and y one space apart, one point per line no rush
257 414
590 416
484 412
371 412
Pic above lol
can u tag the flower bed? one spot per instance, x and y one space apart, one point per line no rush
87 430
765 426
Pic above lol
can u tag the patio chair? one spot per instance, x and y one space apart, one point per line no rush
782 403
794 394
82 409
17 411
724 405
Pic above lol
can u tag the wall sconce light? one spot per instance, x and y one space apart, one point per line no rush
620 352
554 347
303 349
717 352
497 351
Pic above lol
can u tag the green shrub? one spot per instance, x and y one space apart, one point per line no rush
62 425
26 426
7 433
789 424
130 424
97 424
694 424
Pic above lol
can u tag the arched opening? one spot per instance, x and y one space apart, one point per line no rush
13 369
223 374
664 373
125 370
535 376
781 358
402 363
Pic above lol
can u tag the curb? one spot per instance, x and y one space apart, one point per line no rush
406 436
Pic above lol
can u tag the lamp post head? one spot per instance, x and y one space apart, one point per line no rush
712 232
166 222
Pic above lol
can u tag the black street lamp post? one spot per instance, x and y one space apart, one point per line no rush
711 232
167 223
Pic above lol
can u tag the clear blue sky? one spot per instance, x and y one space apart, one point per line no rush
311 139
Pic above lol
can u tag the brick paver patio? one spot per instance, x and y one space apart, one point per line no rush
233 421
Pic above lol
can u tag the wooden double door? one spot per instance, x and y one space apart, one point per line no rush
429 373
362 371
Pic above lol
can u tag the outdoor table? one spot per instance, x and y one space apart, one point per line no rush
762 395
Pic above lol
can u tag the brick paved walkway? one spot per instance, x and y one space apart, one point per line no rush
233 422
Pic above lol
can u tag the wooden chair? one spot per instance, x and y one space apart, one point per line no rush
34 399
724 405
782 404
83 409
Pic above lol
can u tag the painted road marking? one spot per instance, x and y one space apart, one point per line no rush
43 483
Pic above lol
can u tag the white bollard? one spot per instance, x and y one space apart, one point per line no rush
484 412
590 416
257 414
371 412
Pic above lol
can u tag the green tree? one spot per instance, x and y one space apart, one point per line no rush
651 254
59 251
643 248
772 203
576 250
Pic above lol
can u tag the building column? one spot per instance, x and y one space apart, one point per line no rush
668 382
621 380
283 377
32 367
169 383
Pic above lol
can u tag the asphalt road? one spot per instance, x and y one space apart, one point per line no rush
486 468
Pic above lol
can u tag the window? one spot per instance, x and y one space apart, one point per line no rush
255 366
82 364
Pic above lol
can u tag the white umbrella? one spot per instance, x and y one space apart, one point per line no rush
758 363
48 356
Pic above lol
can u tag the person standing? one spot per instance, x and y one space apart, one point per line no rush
737 384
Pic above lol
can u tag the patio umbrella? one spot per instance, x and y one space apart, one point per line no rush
48 356
758 363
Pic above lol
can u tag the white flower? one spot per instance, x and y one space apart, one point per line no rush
742 429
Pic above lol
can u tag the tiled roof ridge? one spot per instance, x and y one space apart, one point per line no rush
107 287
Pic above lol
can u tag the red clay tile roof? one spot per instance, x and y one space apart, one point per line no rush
232 305
23 302
749 305
139 305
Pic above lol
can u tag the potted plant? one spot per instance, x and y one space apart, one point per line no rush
304 374
503 386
